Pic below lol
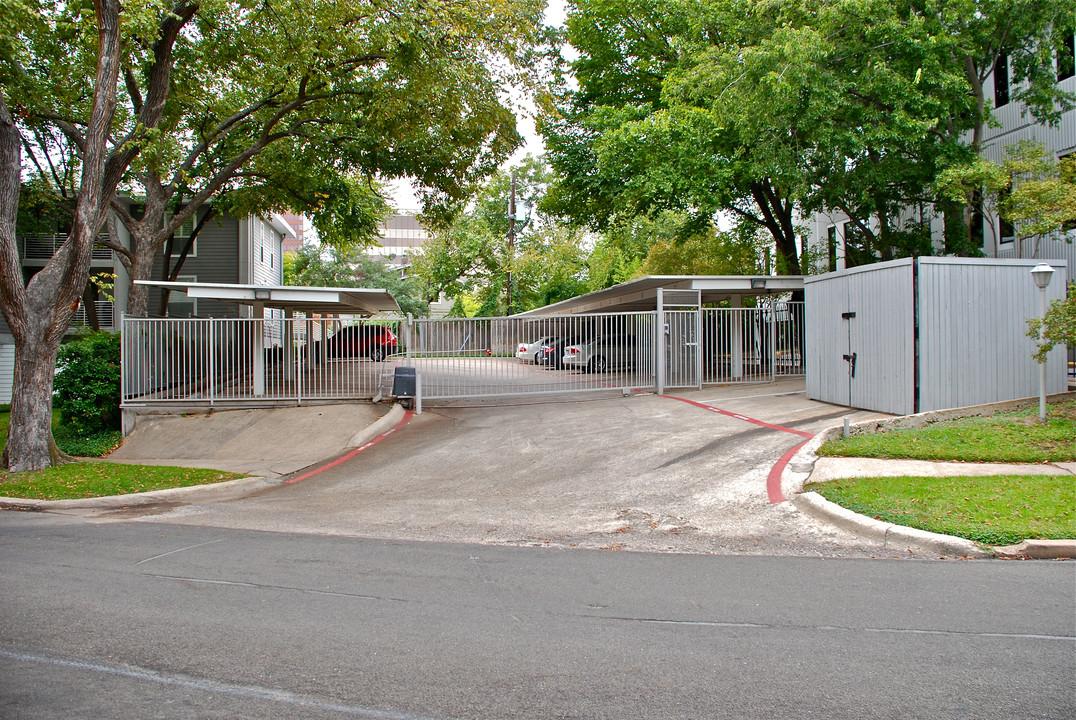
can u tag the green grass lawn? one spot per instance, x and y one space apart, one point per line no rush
996 510
1013 437
99 479
96 445
96 479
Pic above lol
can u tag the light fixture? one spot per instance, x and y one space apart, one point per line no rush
262 293
1042 274
758 283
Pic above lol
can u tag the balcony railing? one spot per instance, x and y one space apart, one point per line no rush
106 315
43 247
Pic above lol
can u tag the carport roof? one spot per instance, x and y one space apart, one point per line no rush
641 294
348 301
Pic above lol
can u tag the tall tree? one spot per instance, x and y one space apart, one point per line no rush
297 97
399 91
39 312
764 110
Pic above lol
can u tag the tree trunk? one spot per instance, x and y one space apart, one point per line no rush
30 445
89 301
143 253
39 312
777 219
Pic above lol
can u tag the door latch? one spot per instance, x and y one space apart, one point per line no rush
851 359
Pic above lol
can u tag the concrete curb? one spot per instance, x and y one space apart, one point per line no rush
891 536
1039 550
378 427
802 465
229 490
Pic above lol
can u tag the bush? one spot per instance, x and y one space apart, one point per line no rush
87 386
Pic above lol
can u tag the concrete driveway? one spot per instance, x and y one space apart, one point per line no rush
642 472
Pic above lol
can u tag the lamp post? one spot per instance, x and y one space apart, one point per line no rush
511 242
1041 274
513 218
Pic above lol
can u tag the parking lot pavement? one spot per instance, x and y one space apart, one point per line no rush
642 472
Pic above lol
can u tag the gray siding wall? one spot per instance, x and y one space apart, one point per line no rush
7 370
266 243
880 334
217 262
973 347
826 338
973 317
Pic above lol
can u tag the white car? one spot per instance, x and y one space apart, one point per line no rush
529 352
601 353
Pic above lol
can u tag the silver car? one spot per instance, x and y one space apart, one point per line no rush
529 352
601 353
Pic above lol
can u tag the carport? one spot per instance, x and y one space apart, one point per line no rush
675 342
234 359
702 345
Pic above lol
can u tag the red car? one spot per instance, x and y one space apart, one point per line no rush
373 341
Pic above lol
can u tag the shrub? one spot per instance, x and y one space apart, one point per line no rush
87 386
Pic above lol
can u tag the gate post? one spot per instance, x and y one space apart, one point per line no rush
736 329
407 337
699 344
659 341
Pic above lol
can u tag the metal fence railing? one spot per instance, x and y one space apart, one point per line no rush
202 362
752 344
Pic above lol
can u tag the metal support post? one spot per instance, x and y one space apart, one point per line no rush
659 341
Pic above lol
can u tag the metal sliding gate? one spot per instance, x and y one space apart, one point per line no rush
211 362
469 358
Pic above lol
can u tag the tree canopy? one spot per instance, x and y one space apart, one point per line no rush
763 110
473 256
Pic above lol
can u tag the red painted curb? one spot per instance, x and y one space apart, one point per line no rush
406 419
773 480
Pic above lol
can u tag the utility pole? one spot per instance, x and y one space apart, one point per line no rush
511 241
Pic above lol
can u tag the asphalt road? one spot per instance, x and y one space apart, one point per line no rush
641 473
149 620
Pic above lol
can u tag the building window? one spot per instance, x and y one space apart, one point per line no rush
1001 81
182 234
831 246
1069 225
1066 59
179 305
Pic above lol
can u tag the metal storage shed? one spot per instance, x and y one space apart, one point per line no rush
913 335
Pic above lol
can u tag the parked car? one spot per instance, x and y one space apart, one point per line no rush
372 341
553 352
601 353
528 352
